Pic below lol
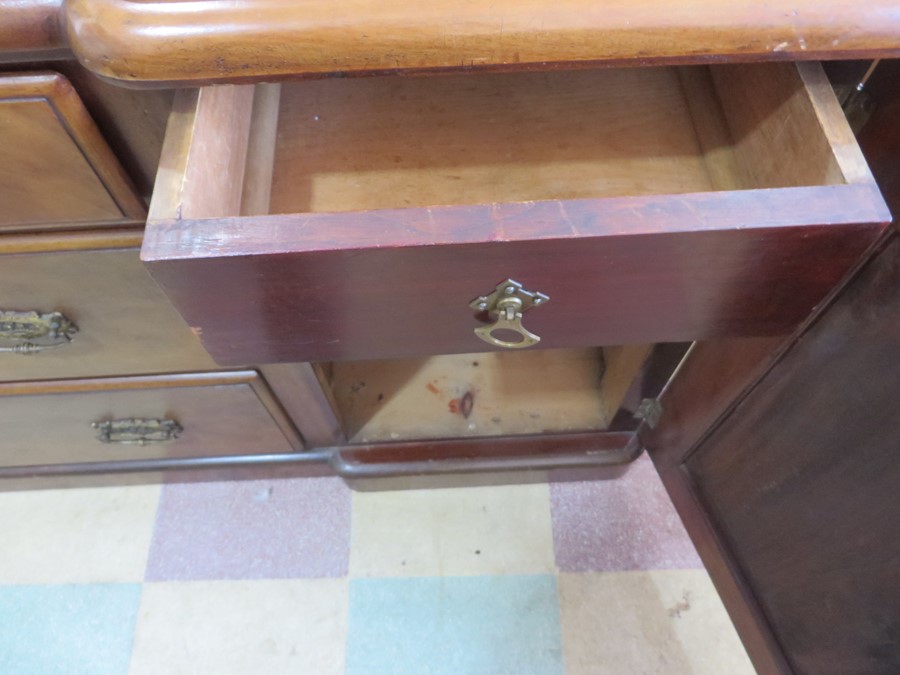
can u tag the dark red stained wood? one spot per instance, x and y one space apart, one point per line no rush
397 283
758 636
881 136
488 460
803 480
599 446
791 482
711 377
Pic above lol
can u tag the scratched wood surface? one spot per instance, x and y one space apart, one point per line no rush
618 271
676 259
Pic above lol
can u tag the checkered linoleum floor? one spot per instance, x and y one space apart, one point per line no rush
306 577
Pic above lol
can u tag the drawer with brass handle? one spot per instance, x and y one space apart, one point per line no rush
82 305
110 420
374 218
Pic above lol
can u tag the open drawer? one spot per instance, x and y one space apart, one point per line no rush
359 218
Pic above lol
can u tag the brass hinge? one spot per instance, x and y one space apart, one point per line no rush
649 411
855 100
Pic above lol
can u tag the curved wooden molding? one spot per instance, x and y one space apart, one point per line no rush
50 139
201 41
31 30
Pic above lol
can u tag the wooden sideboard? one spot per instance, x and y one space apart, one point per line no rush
222 256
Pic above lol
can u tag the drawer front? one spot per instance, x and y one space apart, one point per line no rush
104 420
125 324
604 287
665 205
57 170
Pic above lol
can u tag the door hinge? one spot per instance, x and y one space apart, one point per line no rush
649 411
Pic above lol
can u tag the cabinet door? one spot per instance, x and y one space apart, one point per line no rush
790 489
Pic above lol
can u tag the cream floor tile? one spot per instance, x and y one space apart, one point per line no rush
241 628
90 535
452 532
669 622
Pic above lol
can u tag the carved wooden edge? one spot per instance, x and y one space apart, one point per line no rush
463 455
32 31
77 121
220 41
81 240
129 382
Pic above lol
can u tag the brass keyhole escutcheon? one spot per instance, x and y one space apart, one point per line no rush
507 304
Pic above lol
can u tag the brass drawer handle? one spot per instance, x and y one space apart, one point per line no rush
34 332
136 431
507 304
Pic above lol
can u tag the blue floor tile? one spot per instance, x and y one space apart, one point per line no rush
67 630
454 626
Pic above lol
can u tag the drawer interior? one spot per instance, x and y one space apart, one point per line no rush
379 143
486 394
351 219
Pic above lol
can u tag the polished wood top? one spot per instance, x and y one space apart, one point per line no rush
199 41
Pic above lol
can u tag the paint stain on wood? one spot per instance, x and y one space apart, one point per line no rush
463 405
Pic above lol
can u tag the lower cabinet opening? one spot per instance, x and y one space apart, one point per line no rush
495 393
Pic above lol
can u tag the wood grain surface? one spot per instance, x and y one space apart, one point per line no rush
375 143
32 30
618 271
126 324
221 40
608 204
466 395
779 459
802 479
221 414
57 169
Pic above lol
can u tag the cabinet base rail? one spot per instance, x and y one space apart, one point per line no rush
382 460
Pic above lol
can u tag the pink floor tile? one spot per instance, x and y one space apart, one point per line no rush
617 525
275 529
